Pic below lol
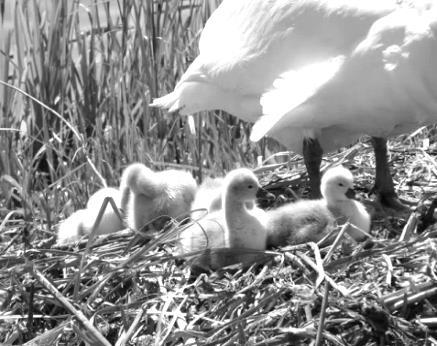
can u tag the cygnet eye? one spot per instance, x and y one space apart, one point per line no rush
250 186
340 184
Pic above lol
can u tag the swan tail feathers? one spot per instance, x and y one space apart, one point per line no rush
170 102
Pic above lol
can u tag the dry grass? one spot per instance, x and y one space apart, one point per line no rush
75 86
116 291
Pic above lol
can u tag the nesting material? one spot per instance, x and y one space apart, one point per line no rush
81 222
155 196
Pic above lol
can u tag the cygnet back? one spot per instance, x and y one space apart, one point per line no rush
81 222
298 222
208 197
148 195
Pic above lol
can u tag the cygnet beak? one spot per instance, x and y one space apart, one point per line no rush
350 193
265 195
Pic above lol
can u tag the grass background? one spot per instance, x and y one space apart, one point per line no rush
76 78
96 65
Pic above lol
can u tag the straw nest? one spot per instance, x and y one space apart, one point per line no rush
130 289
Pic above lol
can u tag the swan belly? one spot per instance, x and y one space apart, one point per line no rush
386 87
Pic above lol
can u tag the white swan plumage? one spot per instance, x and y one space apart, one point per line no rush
384 87
329 70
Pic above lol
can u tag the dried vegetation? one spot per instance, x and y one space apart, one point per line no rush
75 82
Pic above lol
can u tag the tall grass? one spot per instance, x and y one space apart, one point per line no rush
92 67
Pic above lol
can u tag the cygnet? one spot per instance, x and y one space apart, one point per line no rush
299 222
234 226
208 197
311 220
81 222
245 226
337 189
155 196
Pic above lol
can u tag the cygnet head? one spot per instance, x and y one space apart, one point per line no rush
242 184
141 180
337 184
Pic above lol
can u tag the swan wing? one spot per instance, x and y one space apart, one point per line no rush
247 44
292 89
384 87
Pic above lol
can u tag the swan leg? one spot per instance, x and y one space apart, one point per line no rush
384 186
312 156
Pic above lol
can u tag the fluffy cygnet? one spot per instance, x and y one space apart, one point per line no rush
337 189
208 197
311 220
298 222
204 235
81 222
149 195
233 226
71 229
245 226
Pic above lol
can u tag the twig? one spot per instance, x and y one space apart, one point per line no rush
343 291
413 298
409 227
336 242
319 336
124 338
98 337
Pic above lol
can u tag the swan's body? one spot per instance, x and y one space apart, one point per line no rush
385 86
337 182
233 226
327 70
81 222
208 197
148 195
246 45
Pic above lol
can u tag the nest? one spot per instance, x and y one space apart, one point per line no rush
124 289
